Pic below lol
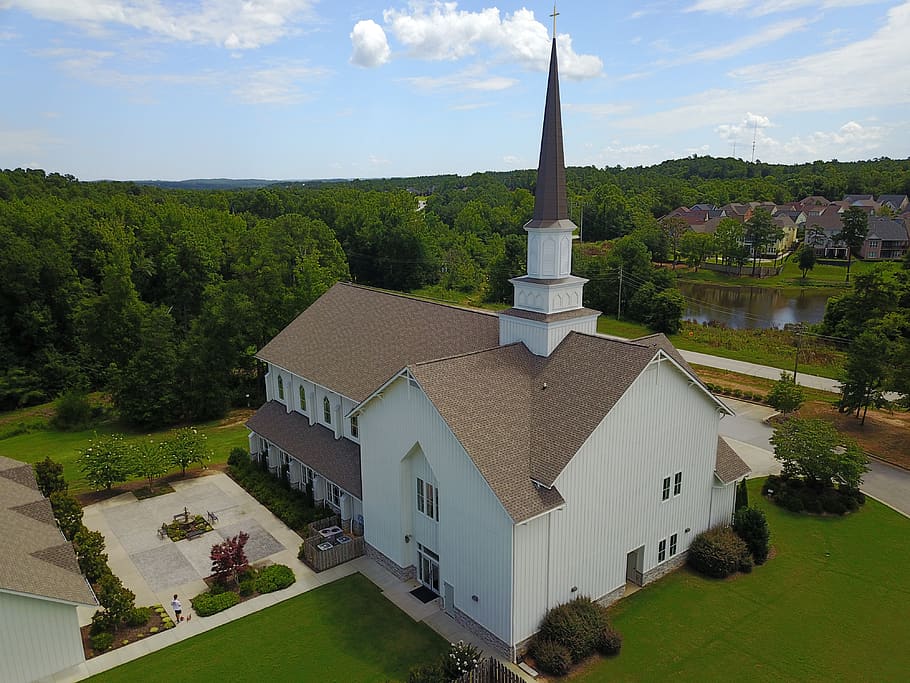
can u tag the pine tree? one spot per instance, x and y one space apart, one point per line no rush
742 495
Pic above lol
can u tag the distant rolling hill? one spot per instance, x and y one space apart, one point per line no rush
225 183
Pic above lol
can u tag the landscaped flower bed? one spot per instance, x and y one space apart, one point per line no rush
178 530
251 582
142 623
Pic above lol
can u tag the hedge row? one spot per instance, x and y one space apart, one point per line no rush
571 632
719 552
206 604
793 494
745 395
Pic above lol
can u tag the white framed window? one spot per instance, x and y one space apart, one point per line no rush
662 550
308 475
355 428
677 483
672 545
428 499
280 388
665 492
326 410
302 393
333 495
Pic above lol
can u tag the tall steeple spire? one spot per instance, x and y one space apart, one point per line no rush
550 203
548 300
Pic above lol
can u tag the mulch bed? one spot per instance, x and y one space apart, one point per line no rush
91 497
129 633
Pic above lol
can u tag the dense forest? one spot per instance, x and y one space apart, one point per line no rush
162 296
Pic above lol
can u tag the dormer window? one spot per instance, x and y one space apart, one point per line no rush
280 388
302 399
355 429
326 410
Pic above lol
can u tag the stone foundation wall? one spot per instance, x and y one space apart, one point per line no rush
402 573
492 642
660 570
609 598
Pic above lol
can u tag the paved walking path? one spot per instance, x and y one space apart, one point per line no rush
756 370
155 568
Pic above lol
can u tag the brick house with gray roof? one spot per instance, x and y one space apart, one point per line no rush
507 462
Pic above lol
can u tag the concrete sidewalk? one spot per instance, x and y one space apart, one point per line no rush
756 370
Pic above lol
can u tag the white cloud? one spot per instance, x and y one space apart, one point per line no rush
598 110
469 79
469 106
769 34
26 143
860 73
763 7
371 47
850 140
277 84
440 31
748 127
233 24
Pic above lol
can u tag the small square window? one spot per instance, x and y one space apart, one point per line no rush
662 550
672 545
666 490
677 484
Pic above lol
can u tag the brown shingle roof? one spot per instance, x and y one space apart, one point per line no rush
36 559
729 466
516 431
352 339
315 446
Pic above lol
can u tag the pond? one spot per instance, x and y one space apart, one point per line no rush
750 307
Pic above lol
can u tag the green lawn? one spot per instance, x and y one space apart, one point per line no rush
345 631
832 605
64 447
822 275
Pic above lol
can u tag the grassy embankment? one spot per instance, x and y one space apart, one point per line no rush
828 607
790 277
25 435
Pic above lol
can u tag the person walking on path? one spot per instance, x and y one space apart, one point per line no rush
178 608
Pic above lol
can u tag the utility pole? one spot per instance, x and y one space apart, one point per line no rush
581 228
798 343
619 299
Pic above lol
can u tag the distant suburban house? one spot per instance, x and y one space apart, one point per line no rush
821 231
896 202
508 462
40 583
886 239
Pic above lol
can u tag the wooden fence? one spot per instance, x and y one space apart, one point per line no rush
490 670
320 560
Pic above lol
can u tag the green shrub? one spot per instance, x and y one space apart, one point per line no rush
73 411
552 657
790 501
737 393
207 604
247 588
101 622
153 629
238 457
717 552
786 395
274 578
461 658
751 525
576 625
746 564
427 673
609 642
833 502
101 641
139 616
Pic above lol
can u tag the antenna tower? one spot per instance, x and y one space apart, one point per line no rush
754 135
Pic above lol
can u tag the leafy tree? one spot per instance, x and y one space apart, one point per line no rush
695 247
806 260
666 312
229 558
855 225
105 461
89 547
865 371
117 601
145 388
150 460
72 410
728 240
761 233
674 228
67 512
786 395
186 447
49 475
512 262
813 450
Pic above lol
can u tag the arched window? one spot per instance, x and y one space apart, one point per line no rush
280 388
326 410
303 399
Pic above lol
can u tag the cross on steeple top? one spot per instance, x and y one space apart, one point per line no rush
554 15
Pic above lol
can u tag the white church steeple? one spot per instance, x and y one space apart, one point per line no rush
548 300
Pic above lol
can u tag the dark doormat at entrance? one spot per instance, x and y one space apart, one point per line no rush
424 594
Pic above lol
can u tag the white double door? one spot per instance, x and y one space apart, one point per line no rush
428 568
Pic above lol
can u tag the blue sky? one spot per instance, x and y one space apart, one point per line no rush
155 89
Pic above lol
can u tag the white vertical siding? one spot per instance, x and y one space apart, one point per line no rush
722 500
612 488
37 638
474 531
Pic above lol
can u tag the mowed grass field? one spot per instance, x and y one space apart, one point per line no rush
832 605
345 631
65 447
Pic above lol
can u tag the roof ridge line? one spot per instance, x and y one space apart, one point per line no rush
464 355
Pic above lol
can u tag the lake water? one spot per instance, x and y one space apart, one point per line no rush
744 307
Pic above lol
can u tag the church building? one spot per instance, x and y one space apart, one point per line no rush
508 462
